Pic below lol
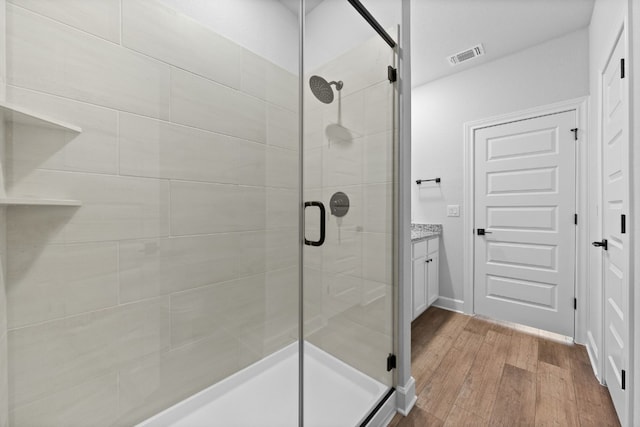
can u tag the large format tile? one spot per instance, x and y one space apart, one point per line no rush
282 208
154 148
377 257
198 208
236 307
282 128
161 266
51 57
156 30
31 147
53 356
153 384
95 400
281 168
54 281
98 17
204 104
112 208
267 81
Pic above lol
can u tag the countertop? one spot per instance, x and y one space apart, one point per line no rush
425 231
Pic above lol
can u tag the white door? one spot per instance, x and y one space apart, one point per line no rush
615 154
525 200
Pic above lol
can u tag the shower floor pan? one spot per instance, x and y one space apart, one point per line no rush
265 394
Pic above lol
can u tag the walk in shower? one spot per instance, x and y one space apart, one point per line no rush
196 212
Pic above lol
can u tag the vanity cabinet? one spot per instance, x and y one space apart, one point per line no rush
424 274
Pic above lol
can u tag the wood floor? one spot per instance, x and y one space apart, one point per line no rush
471 372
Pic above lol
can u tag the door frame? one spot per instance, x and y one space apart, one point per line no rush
580 106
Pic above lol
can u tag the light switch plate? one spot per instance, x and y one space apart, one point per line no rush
453 210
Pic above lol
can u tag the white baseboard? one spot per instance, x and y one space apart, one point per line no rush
450 304
406 397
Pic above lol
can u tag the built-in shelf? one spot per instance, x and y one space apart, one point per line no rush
22 115
25 201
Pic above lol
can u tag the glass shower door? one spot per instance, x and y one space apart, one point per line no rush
348 289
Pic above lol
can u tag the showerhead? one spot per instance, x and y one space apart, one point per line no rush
322 89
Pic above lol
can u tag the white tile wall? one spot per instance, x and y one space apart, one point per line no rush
202 103
177 270
159 149
202 208
98 17
49 357
113 207
236 307
162 33
47 56
94 150
56 281
269 82
95 400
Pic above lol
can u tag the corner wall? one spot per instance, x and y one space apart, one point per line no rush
544 74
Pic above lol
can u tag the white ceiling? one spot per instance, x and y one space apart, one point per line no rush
293 5
440 28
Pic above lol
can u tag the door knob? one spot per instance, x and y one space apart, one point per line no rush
604 244
482 232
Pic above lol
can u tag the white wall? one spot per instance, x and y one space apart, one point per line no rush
608 16
550 72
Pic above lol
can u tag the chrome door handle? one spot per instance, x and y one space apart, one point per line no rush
482 232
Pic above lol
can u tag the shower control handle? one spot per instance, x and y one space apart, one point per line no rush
323 215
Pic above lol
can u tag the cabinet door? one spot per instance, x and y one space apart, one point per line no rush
432 277
419 286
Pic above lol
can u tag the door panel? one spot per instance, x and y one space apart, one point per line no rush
419 288
615 152
525 199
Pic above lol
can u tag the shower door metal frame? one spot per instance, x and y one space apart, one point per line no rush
403 384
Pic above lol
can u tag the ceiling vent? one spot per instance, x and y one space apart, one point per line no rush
466 55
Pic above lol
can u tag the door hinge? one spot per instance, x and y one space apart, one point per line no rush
623 224
575 303
624 379
622 75
392 74
391 362
575 133
575 219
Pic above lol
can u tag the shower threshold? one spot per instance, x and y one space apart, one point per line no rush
265 394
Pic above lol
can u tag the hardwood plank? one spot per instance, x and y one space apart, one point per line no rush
418 417
428 355
460 417
440 392
450 364
554 353
515 403
479 389
555 397
478 326
593 400
523 352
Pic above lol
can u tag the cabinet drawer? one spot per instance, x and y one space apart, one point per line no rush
433 245
419 249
